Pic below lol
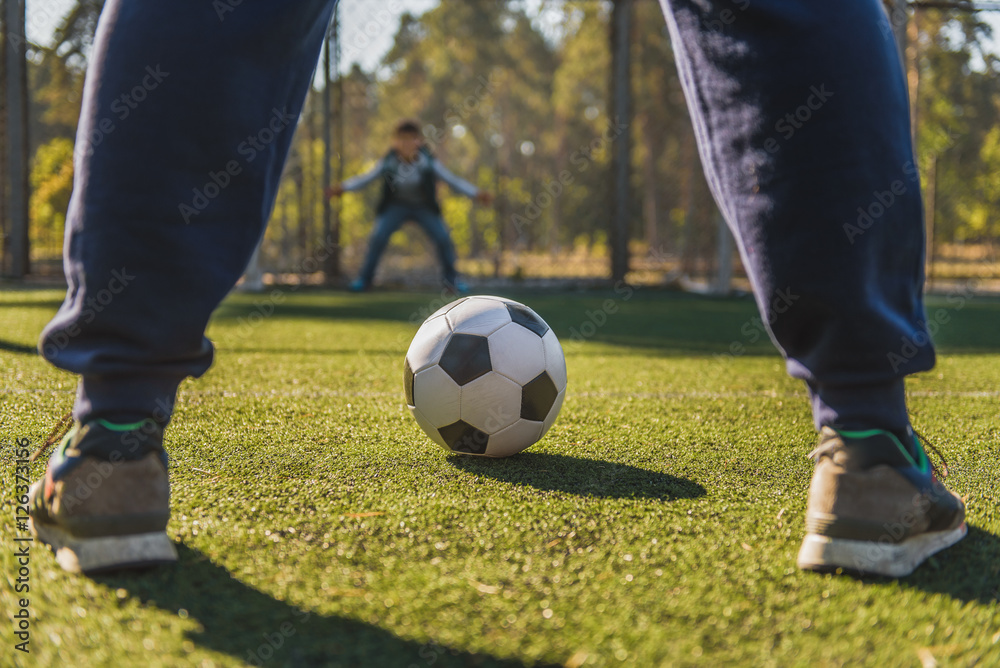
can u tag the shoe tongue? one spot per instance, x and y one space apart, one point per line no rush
106 441
863 450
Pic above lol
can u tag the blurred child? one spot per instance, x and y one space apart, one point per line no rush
409 174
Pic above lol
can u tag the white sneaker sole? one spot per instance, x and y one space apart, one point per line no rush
894 560
94 555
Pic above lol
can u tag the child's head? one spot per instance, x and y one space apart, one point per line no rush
406 139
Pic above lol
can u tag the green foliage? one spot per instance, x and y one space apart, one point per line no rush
979 211
487 78
958 118
56 73
51 186
551 88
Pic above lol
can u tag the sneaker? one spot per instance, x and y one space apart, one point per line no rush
875 506
358 285
104 501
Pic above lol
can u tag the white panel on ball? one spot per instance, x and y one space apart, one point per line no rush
555 361
428 343
517 353
446 395
444 309
478 316
428 427
553 412
491 403
514 438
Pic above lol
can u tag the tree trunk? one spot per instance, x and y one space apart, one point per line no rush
303 217
621 113
912 63
651 192
689 178
17 249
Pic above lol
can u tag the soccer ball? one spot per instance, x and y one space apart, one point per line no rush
485 376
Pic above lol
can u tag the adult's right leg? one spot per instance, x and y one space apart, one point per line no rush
189 109
188 115
801 114
386 224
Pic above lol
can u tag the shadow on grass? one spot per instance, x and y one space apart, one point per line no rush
580 476
257 629
351 352
322 305
19 348
663 324
657 323
968 571
48 304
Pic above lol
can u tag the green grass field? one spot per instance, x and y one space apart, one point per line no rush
656 524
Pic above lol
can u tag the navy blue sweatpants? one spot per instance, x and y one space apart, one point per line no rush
800 109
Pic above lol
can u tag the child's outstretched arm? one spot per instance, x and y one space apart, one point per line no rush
355 182
460 185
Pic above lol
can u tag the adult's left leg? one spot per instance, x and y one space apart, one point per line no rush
801 114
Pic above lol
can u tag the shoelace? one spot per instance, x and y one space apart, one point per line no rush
819 450
56 435
940 472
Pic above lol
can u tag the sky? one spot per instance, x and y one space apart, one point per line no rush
368 26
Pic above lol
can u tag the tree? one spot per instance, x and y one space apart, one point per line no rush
51 185
958 110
